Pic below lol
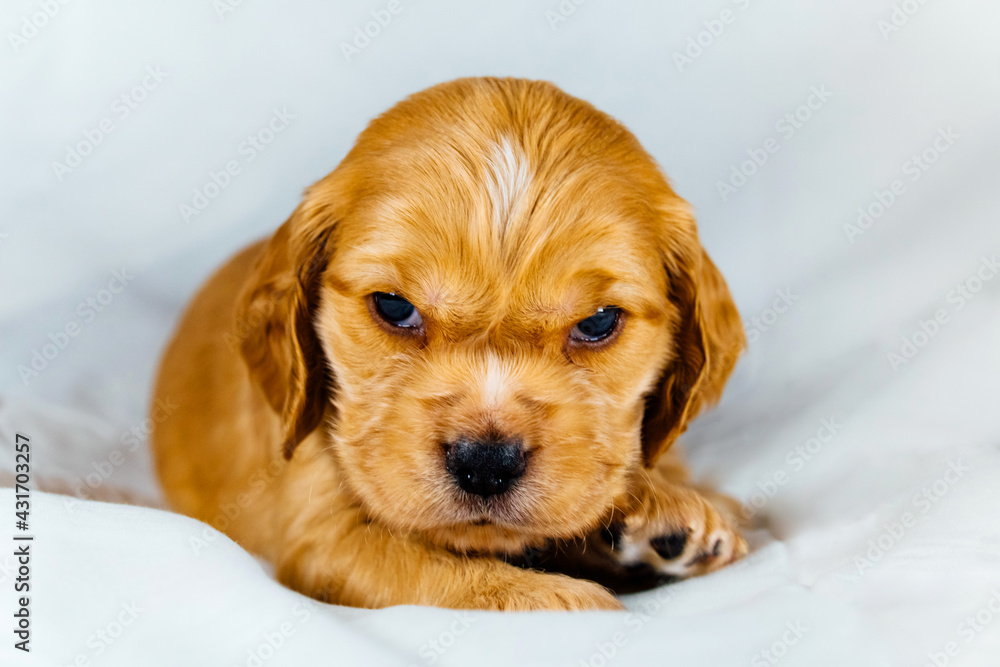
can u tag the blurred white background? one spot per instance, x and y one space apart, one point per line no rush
705 87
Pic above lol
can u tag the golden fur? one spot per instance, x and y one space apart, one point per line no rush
506 211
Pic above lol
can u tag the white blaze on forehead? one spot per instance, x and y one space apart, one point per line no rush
495 380
508 177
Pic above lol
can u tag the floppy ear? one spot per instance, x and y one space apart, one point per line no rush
275 313
708 339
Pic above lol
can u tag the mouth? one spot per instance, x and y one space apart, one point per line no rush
506 510
486 536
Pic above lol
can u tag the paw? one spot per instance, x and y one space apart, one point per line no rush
526 590
677 531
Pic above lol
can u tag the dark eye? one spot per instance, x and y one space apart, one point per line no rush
598 326
396 310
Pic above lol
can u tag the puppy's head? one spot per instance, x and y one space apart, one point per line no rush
501 306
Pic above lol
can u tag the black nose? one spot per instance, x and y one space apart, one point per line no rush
485 467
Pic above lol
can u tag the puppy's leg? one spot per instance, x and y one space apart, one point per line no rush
342 558
677 528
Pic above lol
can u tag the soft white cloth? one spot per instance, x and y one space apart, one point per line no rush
874 476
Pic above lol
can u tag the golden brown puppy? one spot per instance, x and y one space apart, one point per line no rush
475 337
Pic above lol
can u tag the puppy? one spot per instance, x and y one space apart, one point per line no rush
474 338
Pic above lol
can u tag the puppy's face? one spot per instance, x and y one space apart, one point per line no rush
508 287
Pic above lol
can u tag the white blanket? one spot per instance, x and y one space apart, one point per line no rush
843 162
